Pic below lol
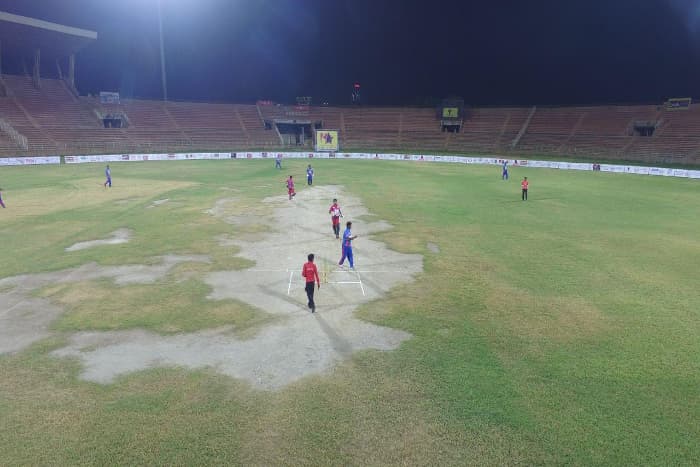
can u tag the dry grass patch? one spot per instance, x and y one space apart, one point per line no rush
543 318
168 308
83 193
243 208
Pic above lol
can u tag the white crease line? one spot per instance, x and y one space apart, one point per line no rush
361 286
19 303
373 272
345 282
289 287
264 270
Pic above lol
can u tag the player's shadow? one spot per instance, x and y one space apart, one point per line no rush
531 200
272 291
341 345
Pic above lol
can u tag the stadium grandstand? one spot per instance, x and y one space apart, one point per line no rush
42 113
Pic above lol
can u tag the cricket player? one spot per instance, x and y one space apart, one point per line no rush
108 175
524 185
309 175
348 237
290 187
336 214
310 273
504 174
278 161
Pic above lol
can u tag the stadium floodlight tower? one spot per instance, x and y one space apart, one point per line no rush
21 36
163 76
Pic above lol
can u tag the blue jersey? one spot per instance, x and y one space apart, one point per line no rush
347 240
310 172
108 173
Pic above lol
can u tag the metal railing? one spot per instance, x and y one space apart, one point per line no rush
15 136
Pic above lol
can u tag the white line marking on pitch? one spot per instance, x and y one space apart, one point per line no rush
361 286
345 282
289 287
330 271
21 302
266 270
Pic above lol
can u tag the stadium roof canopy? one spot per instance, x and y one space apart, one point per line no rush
22 35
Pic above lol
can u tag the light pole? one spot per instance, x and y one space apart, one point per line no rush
162 54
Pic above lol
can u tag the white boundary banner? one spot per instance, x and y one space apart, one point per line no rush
79 159
148 157
42 160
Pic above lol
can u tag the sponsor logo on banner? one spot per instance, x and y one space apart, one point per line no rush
327 141
264 155
30 160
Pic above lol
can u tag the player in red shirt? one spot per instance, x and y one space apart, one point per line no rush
290 187
336 214
524 184
310 273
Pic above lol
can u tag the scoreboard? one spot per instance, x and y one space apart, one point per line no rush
450 112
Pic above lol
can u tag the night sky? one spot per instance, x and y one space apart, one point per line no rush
402 52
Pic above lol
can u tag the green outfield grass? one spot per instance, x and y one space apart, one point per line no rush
561 330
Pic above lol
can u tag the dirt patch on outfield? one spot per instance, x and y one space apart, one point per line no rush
302 343
25 319
157 203
285 350
117 237
240 211
433 248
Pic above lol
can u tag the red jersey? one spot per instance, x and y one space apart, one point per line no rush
310 272
524 184
334 211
